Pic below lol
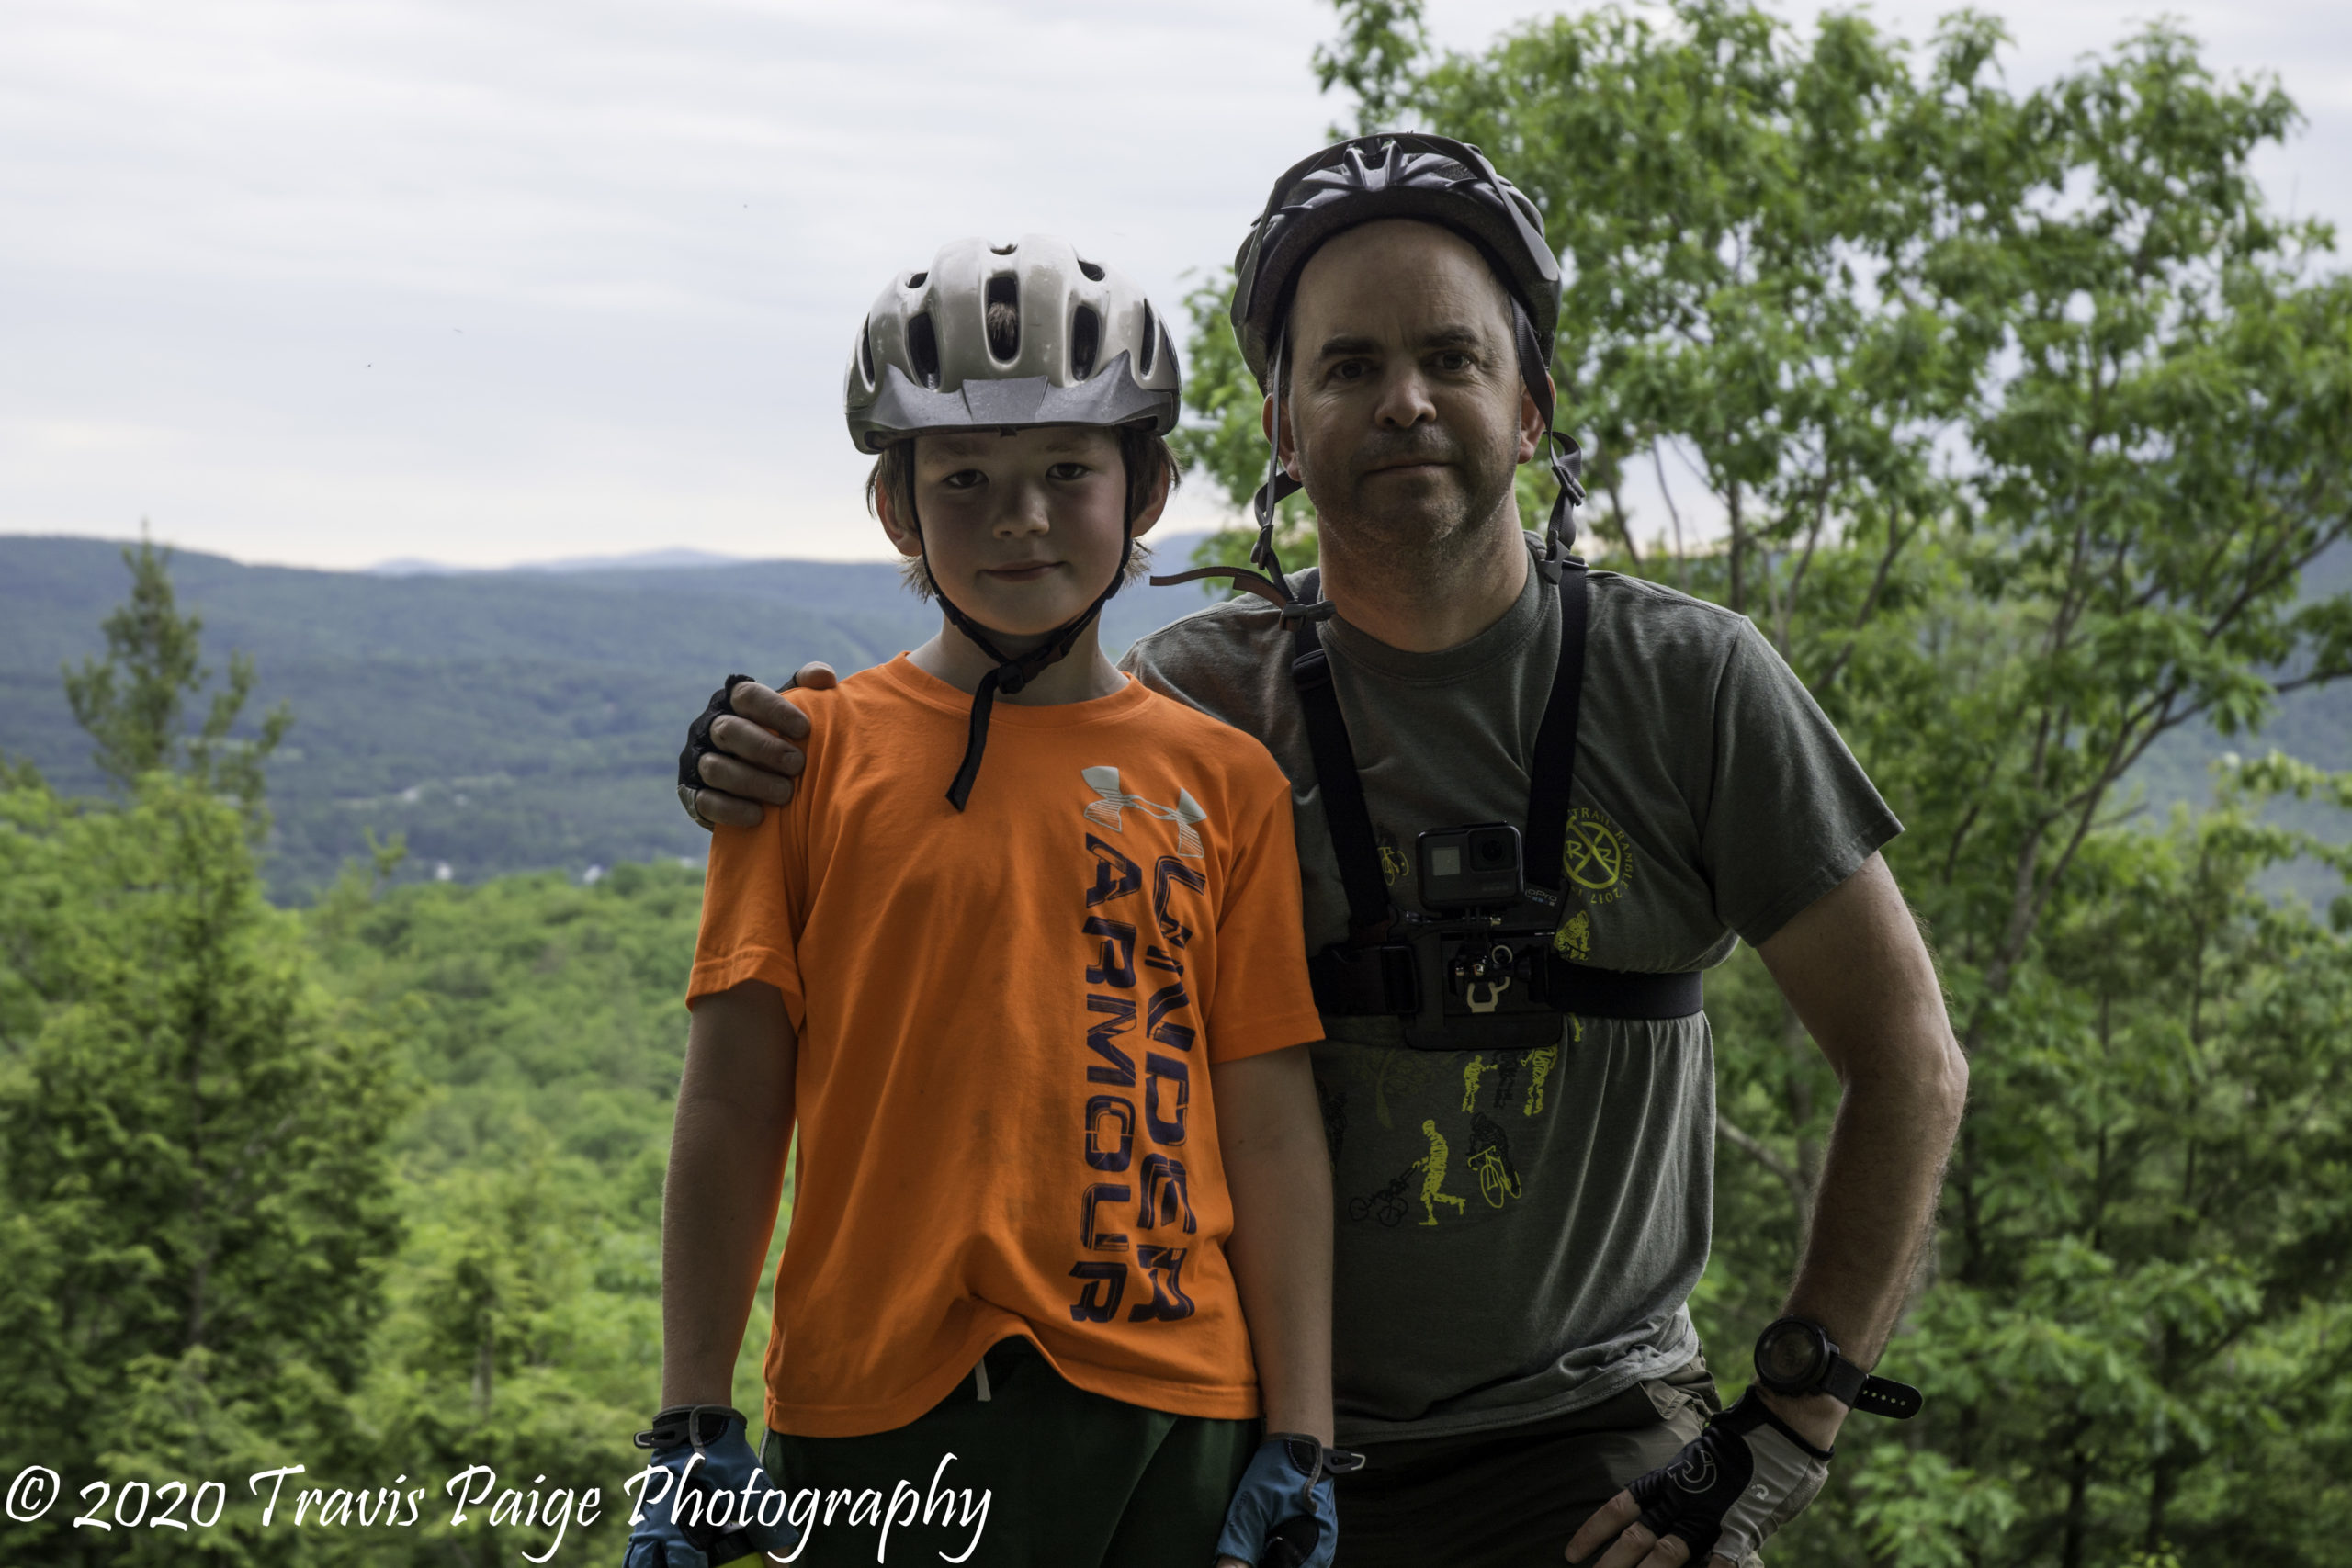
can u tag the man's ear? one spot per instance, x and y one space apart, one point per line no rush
1285 447
1531 421
905 540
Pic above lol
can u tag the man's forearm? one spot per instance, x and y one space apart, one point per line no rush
719 1205
1277 1171
1873 1210
1853 966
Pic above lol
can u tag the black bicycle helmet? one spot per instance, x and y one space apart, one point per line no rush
1432 179
1429 179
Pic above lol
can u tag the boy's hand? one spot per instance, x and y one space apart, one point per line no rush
705 1495
1282 1514
740 758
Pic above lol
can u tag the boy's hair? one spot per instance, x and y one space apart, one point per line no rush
1143 455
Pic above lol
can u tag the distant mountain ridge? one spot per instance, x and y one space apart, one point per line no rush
643 560
529 718
504 720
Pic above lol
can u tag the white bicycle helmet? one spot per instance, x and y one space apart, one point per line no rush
1085 347
1007 338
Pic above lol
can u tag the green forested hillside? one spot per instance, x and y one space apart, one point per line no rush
504 721
374 1187
542 1032
518 721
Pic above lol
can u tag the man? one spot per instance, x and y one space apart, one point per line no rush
1518 1362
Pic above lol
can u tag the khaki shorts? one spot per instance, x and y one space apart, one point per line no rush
1512 1498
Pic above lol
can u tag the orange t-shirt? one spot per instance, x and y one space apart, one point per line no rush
1006 1018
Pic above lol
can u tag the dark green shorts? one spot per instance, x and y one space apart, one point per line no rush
1511 1499
1040 1474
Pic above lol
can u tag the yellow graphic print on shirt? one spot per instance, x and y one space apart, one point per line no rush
1400 1075
1489 1160
1474 1069
1597 858
1432 1169
1540 1060
1574 938
1506 1081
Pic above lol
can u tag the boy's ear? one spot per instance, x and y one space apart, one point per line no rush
906 541
1154 504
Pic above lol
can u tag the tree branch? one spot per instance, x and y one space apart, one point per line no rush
1755 1149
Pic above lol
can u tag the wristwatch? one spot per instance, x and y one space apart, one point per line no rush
1795 1357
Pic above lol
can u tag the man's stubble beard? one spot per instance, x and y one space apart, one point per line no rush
1407 549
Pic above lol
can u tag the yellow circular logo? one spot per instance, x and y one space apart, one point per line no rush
1596 852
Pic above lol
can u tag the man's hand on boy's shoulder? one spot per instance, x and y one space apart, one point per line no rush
748 760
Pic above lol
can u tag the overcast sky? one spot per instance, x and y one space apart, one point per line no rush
485 281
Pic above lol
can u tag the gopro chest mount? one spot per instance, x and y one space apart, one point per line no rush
1477 968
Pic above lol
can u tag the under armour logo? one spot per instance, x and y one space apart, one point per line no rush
1111 804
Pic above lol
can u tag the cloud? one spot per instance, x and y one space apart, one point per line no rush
333 283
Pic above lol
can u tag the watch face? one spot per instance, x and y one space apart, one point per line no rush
1790 1356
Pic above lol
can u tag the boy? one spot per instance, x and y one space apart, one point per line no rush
1062 1207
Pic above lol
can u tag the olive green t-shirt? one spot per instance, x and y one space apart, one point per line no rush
1518 1231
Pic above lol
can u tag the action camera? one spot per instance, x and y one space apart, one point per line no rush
1474 867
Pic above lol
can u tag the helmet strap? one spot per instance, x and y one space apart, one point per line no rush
1275 587
1278 484
1566 456
1012 673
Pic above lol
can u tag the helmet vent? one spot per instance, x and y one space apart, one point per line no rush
1004 249
1150 342
1093 273
922 347
917 279
865 350
1085 341
1003 297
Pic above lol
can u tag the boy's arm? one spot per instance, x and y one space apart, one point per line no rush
727 1153
1277 1170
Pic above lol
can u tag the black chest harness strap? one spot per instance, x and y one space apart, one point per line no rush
1370 973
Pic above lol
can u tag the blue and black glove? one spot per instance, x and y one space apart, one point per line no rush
716 1505
1282 1514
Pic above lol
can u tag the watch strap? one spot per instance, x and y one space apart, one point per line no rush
1884 1396
1857 1389
1841 1379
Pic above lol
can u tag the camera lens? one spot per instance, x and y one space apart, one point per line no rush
1491 851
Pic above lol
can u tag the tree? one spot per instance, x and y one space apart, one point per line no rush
132 701
543 1019
195 1195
